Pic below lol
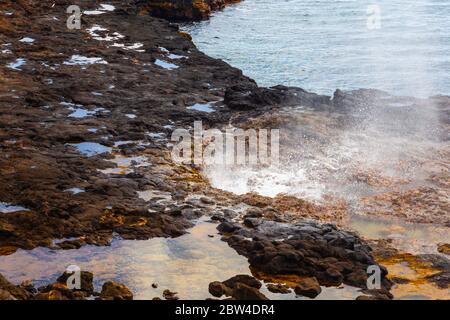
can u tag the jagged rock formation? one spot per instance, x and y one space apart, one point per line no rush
182 10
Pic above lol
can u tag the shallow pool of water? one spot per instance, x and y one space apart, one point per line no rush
185 265
412 238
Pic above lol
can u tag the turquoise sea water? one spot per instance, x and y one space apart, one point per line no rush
322 45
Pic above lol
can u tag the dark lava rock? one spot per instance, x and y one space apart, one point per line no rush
333 277
60 291
87 283
441 279
182 10
206 200
41 164
115 291
240 287
227 227
247 96
242 278
218 289
217 217
251 222
308 287
8 291
305 249
245 292
278 288
169 295
253 213
29 286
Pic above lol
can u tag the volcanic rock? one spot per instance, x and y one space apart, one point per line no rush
308 287
115 291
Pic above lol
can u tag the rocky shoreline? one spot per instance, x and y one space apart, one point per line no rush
60 291
128 104
182 10
85 138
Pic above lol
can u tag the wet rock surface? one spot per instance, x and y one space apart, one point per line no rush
414 275
60 290
169 295
308 287
363 151
8 291
182 10
240 287
85 150
278 288
305 249
115 291
67 193
250 97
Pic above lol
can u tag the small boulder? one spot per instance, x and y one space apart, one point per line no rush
242 278
169 295
227 227
86 283
115 291
218 289
308 287
245 292
206 200
278 288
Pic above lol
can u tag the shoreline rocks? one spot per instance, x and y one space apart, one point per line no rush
240 287
124 97
60 291
115 291
131 106
182 10
305 249
278 288
308 287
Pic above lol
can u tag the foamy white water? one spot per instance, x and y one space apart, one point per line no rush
323 45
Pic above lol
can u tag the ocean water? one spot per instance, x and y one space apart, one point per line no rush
401 46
